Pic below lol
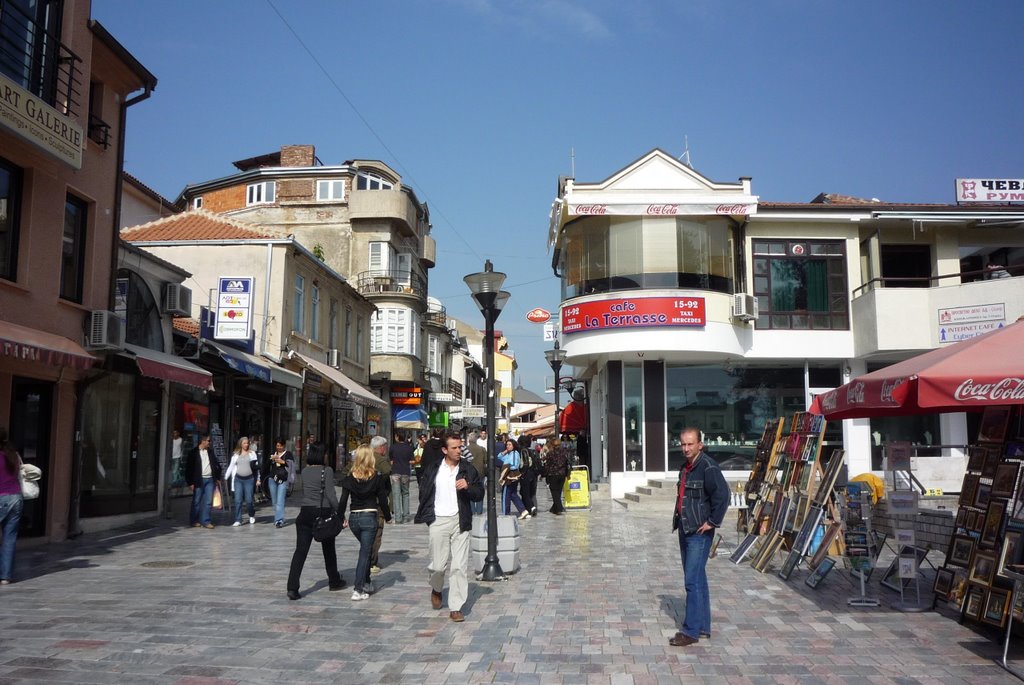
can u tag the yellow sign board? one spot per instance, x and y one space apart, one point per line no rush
577 489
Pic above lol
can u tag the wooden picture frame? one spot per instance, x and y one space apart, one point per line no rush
1004 480
792 561
976 460
961 517
996 606
766 553
943 582
982 495
972 520
743 548
831 532
1010 551
970 484
992 461
993 423
961 549
973 602
983 568
815 577
993 523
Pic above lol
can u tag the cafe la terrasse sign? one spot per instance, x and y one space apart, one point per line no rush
38 123
636 312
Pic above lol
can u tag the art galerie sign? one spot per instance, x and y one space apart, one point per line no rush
39 123
634 312
234 309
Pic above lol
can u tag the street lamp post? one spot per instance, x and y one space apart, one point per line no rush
555 358
490 298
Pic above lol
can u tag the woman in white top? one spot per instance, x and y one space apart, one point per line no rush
244 473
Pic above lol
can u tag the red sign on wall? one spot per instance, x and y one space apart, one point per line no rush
634 312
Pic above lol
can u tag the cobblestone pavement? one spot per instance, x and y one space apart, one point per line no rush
598 595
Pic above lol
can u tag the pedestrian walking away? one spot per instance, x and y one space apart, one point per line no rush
449 486
530 469
315 473
203 474
382 463
702 500
368 492
401 472
244 473
556 470
11 506
280 470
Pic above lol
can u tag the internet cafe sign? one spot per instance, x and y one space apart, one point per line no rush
38 123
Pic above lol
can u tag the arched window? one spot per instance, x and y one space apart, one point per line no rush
142 312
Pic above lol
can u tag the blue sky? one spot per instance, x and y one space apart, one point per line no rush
479 103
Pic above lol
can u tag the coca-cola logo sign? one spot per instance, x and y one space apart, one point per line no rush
662 210
591 209
889 387
829 401
855 393
732 209
1006 389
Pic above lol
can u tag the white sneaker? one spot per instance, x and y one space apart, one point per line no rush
236 524
252 519
358 596
525 515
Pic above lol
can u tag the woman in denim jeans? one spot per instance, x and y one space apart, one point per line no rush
11 505
279 480
368 491
243 471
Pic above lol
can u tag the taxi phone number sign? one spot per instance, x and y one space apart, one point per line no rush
634 312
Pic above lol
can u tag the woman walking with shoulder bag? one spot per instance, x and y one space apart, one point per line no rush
11 505
368 491
509 479
318 501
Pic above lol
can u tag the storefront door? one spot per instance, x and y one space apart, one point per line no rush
146 447
30 432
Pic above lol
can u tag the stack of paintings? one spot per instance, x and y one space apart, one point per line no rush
989 527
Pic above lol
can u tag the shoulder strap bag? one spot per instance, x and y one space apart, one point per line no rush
326 526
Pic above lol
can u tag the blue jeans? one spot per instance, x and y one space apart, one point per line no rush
511 496
243 493
478 507
278 493
363 525
202 503
400 498
694 550
11 507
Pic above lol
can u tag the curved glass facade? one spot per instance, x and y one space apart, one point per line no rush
607 253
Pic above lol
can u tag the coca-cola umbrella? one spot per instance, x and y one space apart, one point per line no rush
963 376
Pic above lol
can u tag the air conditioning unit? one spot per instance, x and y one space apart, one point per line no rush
291 398
106 331
334 358
744 307
177 300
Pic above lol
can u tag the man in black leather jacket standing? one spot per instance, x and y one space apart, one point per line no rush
446 489
701 502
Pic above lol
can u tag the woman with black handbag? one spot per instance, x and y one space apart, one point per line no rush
318 512
279 469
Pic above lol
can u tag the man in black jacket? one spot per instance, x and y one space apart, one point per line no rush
203 474
446 490
701 502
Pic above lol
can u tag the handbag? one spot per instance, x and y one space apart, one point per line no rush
509 475
29 476
326 527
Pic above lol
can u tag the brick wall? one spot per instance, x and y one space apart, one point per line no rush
932 526
297 155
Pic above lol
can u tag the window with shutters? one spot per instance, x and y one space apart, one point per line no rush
394 330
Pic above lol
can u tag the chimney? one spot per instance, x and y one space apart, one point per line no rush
297 155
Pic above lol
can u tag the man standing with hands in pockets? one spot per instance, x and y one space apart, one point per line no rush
446 489
701 503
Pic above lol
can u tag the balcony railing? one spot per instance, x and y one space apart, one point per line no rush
438 317
390 281
99 131
36 60
932 281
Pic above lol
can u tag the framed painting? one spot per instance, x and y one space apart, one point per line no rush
993 524
970 484
995 607
943 582
993 424
961 517
831 532
983 568
973 602
743 548
792 561
960 550
976 461
1004 479
992 461
1018 607
1010 552
1015 450
818 575
904 567
982 494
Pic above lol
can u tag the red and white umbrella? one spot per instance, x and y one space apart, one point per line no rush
964 376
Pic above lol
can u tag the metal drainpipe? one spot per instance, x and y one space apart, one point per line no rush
74 512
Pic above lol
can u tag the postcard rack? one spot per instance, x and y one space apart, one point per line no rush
988 533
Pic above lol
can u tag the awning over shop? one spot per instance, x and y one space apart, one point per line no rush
285 377
359 393
242 362
33 345
168 367
410 417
